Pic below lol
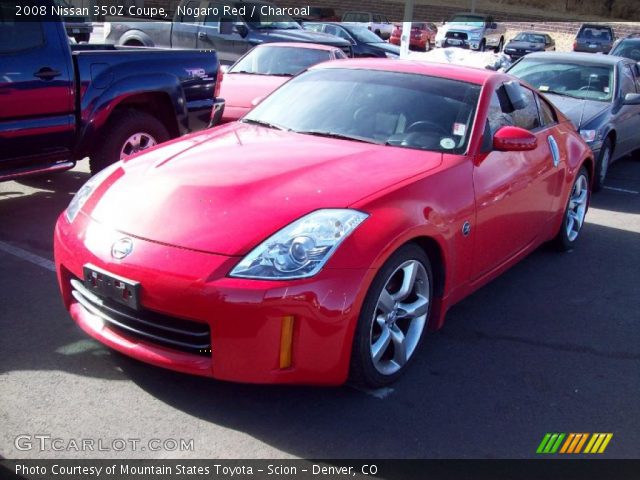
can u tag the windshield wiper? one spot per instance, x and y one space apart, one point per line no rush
251 121
557 92
319 133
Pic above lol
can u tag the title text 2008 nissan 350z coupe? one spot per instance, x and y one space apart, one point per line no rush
320 236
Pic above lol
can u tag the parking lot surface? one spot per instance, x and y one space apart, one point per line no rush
553 345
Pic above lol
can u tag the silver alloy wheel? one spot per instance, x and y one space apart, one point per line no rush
577 207
604 164
400 317
135 143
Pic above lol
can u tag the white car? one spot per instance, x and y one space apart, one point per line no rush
377 23
473 31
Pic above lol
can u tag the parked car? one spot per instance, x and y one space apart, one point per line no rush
364 43
528 42
423 35
326 14
321 235
628 47
77 27
377 23
599 93
61 103
264 69
473 31
230 36
594 38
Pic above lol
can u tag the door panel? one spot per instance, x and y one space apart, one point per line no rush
36 91
514 191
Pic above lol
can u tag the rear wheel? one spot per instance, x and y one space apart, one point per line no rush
575 212
602 165
393 318
129 133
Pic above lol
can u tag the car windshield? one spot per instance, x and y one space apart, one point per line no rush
628 49
471 20
284 61
256 20
595 33
529 37
364 35
385 108
578 80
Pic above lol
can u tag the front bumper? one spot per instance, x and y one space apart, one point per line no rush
466 44
245 317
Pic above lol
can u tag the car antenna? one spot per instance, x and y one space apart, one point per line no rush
584 101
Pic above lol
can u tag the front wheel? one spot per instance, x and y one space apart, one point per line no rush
500 45
129 133
483 46
575 212
393 318
602 165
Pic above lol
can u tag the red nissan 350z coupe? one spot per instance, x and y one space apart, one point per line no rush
320 236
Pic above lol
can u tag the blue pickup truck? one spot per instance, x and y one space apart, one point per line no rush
230 27
61 102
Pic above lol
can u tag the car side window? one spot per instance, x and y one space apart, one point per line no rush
527 117
16 36
547 113
377 19
636 72
496 116
627 82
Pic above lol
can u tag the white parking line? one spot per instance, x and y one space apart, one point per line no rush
623 190
28 256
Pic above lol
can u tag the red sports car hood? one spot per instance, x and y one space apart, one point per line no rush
239 90
227 190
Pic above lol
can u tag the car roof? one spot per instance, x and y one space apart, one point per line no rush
595 25
590 58
310 46
477 76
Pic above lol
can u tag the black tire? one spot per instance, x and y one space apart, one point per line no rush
362 369
601 170
500 45
562 242
120 128
483 46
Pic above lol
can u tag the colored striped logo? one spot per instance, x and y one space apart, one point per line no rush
574 443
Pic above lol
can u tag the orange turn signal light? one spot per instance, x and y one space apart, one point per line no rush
286 342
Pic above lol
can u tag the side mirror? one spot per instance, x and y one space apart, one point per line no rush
242 29
514 139
631 99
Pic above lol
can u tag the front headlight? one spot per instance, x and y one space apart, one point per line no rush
589 136
300 249
475 35
82 195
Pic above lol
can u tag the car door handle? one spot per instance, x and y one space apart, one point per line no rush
202 35
47 73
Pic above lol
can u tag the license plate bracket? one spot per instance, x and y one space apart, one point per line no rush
106 285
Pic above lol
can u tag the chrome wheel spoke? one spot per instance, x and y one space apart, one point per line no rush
386 303
381 344
408 281
415 309
399 346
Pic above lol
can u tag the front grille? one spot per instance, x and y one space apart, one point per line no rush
147 325
456 35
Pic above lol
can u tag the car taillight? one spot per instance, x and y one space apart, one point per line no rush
575 44
219 78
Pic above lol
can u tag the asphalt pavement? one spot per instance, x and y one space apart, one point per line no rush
553 345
